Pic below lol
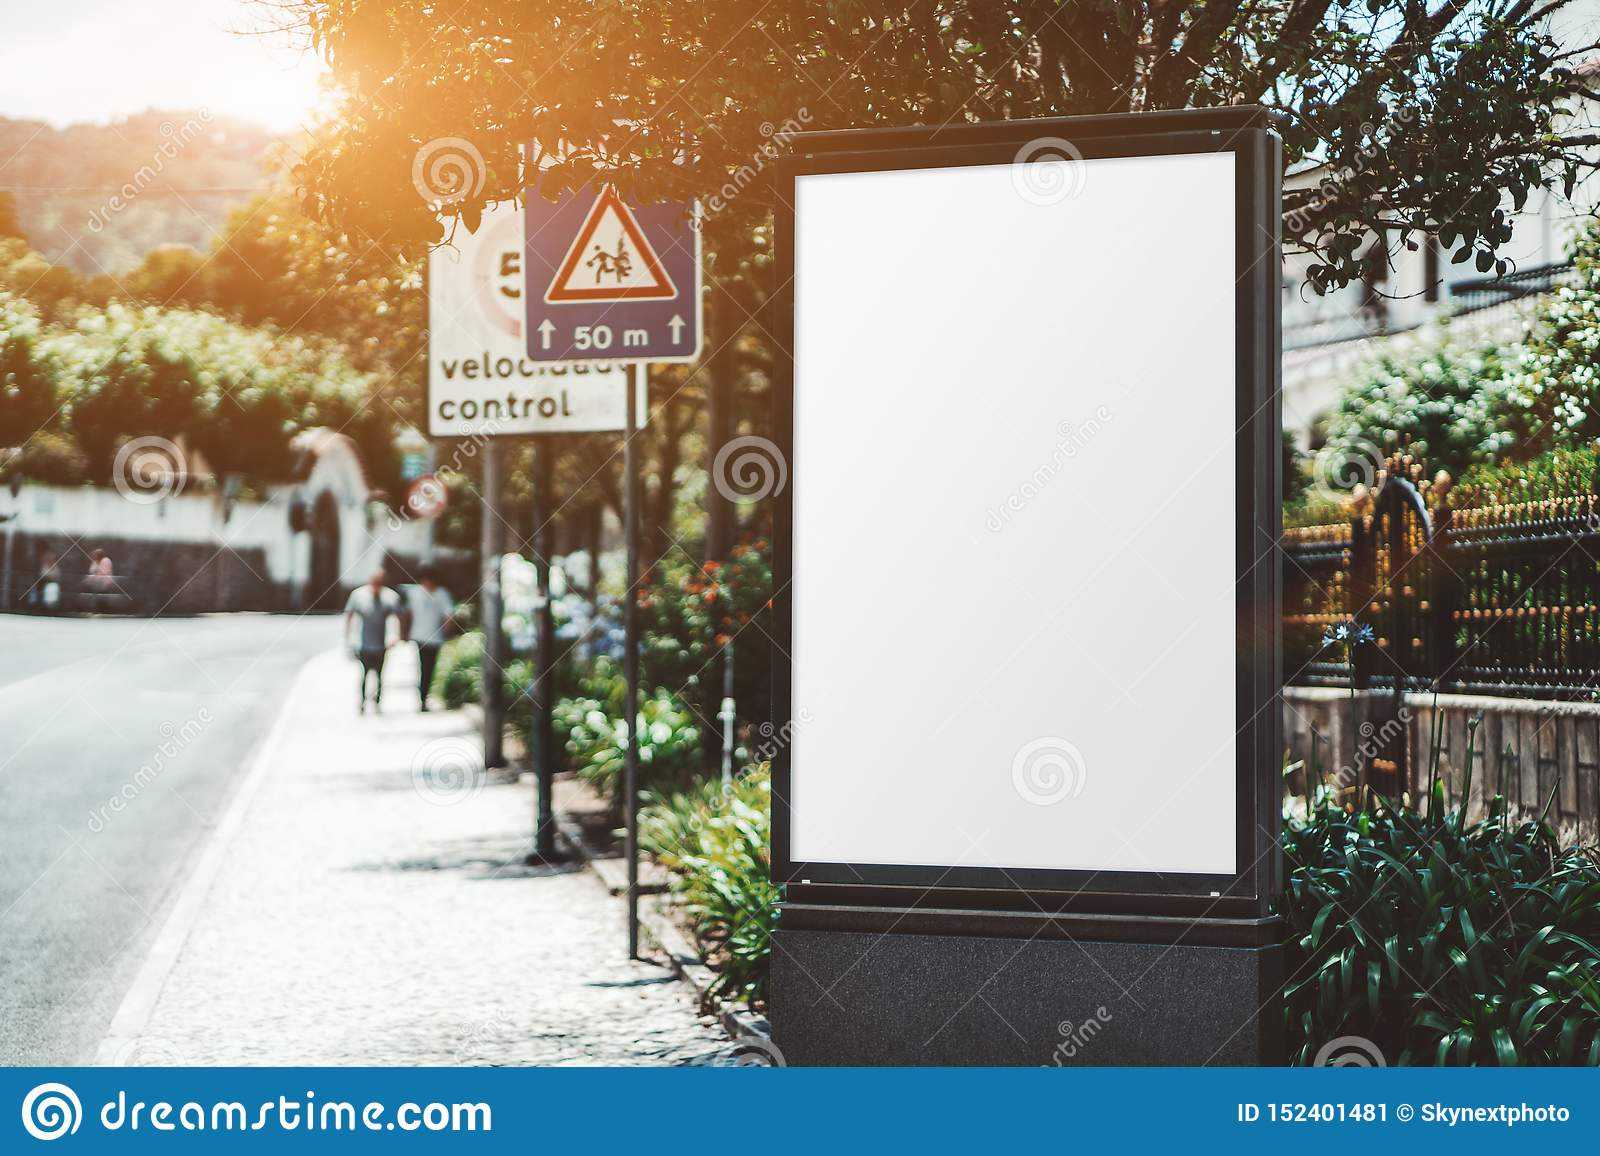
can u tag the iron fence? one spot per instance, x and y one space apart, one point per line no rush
1496 600
1487 292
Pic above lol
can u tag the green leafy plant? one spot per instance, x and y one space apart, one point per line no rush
596 741
1445 400
694 614
714 840
1559 473
458 679
1441 940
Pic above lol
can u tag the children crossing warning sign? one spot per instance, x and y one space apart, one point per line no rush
610 260
609 280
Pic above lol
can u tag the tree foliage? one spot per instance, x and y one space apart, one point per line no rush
27 392
1553 376
1444 399
236 394
1457 403
1423 116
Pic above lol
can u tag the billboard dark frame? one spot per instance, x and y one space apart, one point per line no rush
1248 892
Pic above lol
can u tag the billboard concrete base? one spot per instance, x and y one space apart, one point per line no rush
879 986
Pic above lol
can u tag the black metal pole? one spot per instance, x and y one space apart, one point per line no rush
630 620
544 744
494 705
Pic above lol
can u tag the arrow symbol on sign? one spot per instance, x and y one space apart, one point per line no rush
546 328
676 325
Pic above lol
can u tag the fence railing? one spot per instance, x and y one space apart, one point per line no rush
1486 292
1498 600
1501 599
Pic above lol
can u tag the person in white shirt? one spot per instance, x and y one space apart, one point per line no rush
430 617
369 609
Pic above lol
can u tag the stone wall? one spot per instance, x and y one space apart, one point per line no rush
155 577
1533 752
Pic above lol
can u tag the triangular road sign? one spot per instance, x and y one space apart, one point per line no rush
611 260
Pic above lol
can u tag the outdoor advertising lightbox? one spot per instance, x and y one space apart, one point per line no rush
1026 634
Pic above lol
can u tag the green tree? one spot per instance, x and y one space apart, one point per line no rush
1445 399
168 275
124 378
10 223
1423 116
1418 117
273 265
27 387
1552 375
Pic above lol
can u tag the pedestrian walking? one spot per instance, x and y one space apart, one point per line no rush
44 596
430 620
368 611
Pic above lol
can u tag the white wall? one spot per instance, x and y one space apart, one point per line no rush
94 513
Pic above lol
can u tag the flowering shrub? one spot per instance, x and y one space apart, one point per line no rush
692 615
236 394
1551 376
27 392
458 678
1447 401
596 741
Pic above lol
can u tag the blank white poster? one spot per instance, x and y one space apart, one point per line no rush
1014 510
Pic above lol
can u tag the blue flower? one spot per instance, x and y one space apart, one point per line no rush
1350 632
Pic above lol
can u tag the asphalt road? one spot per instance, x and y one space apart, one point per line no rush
120 741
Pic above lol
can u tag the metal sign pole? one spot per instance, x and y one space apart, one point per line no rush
630 619
494 705
544 744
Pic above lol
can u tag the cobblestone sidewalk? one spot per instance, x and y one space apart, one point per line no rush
372 907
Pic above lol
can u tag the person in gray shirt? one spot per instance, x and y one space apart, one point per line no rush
368 610
430 619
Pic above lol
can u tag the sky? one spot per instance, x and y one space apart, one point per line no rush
68 61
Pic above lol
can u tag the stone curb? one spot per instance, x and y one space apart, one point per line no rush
659 929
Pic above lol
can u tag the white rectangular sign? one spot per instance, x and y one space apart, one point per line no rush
1014 601
481 382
